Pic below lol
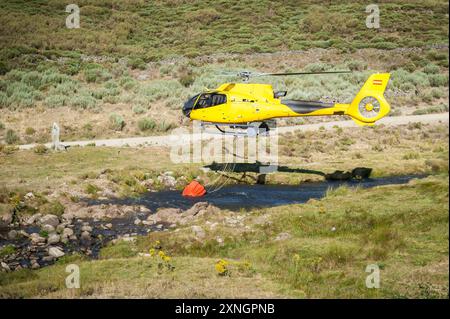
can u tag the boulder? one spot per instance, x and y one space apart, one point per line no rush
33 219
196 208
67 232
48 228
6 219
85 236
55 252
49 219
36 238
53 239
168 215
86 228
198 231
12 234
5 266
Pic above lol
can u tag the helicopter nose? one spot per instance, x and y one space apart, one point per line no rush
187 110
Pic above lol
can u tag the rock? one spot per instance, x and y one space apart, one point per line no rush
60 228
137 222
144 210
12 234
86 228
68 217
109 226
48 228
29 195
219 240
169 215
67 232
49 219
36 238
167 180
53 239
55 252
35 265
283 236
196 208
198 231
48 258
85 236
361 172
5 266
23 233
6 218
33 219
333 229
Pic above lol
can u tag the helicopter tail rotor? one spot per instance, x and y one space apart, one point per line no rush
369 105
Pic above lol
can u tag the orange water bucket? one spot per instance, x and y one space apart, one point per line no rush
194 189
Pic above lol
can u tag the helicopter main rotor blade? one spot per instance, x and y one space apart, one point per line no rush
302 73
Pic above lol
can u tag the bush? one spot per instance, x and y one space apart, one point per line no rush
187 80
11 137
83 101
117 123
30 131
2 126
137 63
137 109
55 208
438 80
146 124
55 100
431 69
96 74
40 149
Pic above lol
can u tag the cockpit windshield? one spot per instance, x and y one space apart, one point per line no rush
210 99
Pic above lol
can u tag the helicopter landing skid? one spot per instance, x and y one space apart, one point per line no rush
247 130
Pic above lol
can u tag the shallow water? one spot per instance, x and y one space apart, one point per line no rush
245 196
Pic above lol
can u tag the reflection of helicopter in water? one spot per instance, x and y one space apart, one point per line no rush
251 106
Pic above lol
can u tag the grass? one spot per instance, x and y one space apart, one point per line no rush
403 229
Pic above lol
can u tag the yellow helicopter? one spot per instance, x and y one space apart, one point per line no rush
252 107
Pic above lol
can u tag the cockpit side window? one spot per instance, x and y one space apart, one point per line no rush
210 99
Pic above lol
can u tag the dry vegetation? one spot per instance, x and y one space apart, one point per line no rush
116 80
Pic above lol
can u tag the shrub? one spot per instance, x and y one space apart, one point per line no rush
54 207
11 137
187 80
431 69
137 63
164 126
438 80
432 109
92 189
146 124
55 100
96 74
83 101
117 123
2 126
30 131
40 149
137 109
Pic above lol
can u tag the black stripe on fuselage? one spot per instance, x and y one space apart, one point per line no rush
303 107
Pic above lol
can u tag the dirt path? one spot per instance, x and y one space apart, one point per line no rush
168 140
